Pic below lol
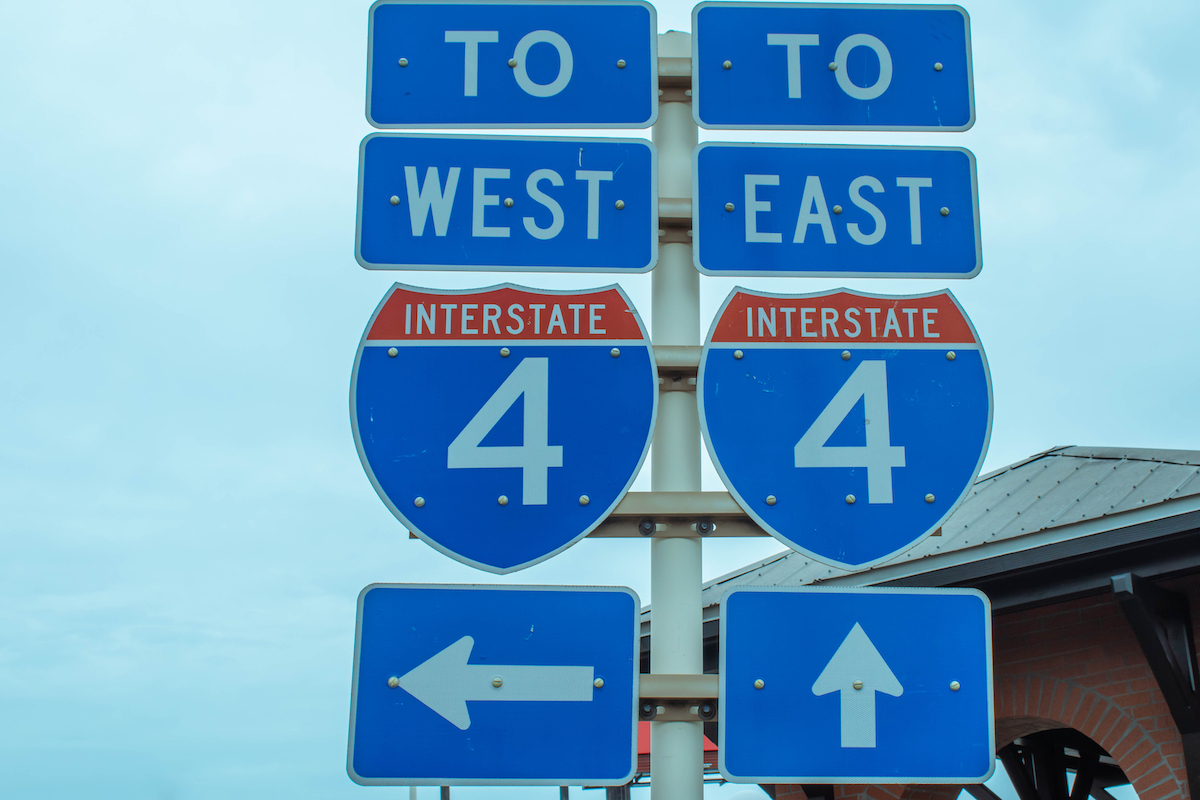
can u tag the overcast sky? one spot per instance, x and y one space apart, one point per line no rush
184 522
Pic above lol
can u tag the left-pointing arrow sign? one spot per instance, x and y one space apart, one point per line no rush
445 683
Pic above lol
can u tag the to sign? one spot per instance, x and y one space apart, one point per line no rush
502 425
494 685
815 66
481 64
835 211
512 203
892 685
848 425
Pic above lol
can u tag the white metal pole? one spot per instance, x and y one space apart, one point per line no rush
676 751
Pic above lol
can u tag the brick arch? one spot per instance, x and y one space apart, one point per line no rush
1032 702
1029 703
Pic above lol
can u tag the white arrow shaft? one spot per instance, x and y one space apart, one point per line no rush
528 683
858 718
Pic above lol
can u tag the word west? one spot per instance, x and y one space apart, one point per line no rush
815 210
485 318
826 323
431 198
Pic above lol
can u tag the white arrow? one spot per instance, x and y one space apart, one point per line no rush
446 682
858 672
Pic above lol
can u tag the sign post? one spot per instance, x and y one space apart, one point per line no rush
676 642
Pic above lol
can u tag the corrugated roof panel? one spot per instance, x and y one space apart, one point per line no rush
1189 486
1163 483
1128 480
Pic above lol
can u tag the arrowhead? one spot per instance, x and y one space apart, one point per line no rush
441 682
857 659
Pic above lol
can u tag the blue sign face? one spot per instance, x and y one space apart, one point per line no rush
856 686
810 66
848 425
835 211
502 425
492 685
513 203
512 65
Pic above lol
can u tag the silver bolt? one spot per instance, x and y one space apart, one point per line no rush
502 500
937 66
851 499
508 202
857 685
771 500
729 206
403 62
929 498
759 683
950 356
393 682
738 354
419 502
505 352
615 352
728 65
619 204
955 686
620 63
837 209
497 681
393 352
512 62
599 682
833 66
584 499
945 211
845 355
394 200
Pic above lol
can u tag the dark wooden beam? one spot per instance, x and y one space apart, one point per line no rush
1085 775
1018 773
1162 624
981 792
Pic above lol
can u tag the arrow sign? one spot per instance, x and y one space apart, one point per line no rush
858 672
785 652
494 685
446 682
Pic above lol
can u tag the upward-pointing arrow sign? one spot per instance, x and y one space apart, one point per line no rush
445 682
858 672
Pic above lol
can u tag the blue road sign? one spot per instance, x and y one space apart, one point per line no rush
487 64
848 425
502 425
856 686
835 211
815 66
459 685
507 203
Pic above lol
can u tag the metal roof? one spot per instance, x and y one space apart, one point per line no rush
1077 496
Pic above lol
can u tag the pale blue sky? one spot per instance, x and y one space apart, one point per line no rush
184 524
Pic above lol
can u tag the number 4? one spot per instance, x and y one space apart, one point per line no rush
869 381
534 457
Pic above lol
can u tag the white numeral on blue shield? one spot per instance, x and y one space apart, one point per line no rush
869 381
535 455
